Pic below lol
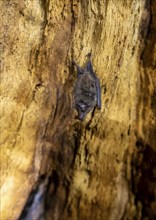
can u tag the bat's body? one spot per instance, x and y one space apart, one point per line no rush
87 93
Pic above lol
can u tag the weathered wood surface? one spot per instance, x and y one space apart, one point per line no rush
104 167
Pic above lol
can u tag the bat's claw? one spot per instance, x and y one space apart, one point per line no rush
89 54
73 62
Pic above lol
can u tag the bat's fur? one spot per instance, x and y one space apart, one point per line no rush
87 92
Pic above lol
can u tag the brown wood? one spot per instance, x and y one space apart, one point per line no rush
104 167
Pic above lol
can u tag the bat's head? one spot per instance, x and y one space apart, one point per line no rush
82 109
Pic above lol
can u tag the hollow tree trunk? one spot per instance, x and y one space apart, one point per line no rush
104 167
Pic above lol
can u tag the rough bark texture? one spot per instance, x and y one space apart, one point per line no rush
104 167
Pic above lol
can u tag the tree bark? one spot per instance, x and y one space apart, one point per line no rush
99 169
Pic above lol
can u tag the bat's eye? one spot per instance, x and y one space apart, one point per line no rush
82 106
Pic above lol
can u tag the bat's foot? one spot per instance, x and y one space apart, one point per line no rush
73 62
89 54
